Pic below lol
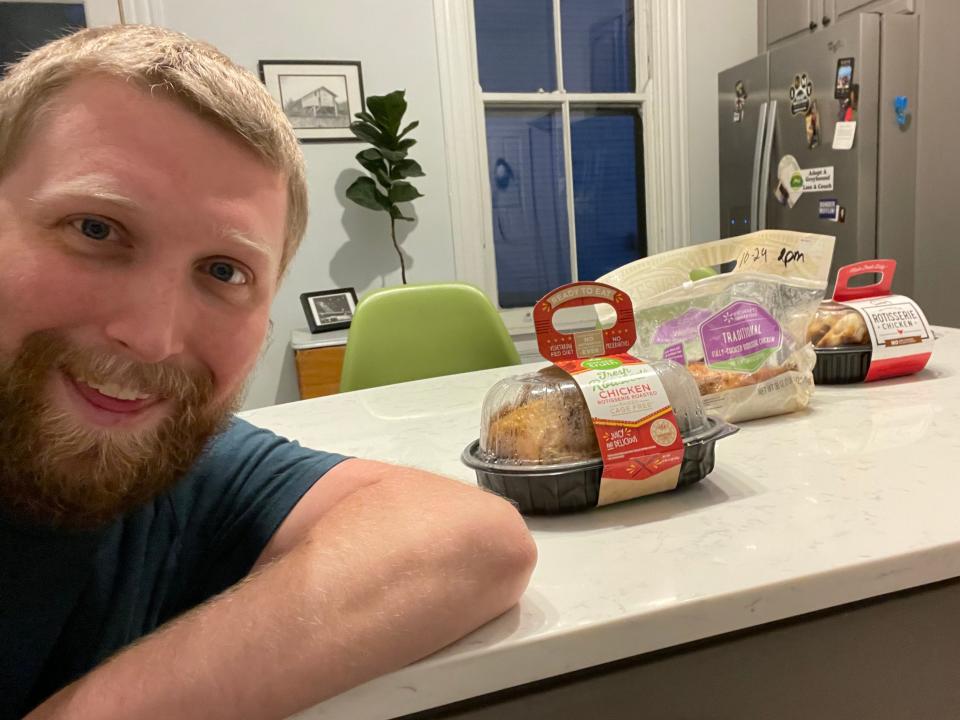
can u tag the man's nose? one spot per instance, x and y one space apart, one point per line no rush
150 318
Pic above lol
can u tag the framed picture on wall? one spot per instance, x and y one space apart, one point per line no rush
320 97
329 309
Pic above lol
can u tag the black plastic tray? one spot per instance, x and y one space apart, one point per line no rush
571 487
837 366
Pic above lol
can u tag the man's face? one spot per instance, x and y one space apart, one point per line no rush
139 253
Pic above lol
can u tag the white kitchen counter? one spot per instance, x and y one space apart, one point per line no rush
854 498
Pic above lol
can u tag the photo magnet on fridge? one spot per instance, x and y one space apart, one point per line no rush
811 125
848 105
741 99
801 93
844 78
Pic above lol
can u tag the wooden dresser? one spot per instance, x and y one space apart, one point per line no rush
319 361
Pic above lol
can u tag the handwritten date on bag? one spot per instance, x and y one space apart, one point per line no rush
759 255
756 255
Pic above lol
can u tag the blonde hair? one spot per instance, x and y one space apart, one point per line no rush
196 74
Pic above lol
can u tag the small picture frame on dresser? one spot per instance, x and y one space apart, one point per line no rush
329 309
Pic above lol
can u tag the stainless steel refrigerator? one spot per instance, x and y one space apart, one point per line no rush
779 165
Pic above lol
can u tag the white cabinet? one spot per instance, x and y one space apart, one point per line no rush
845 7
786 18
782 21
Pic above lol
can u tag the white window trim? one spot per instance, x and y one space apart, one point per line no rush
142 12
659 26
102 12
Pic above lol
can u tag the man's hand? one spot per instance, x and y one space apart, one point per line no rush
391 568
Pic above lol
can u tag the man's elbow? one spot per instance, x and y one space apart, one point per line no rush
508 550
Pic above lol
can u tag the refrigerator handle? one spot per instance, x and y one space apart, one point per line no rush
765 169
757 157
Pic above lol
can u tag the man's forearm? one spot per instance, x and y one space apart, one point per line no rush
391 574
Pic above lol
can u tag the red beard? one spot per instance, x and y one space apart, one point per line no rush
56 471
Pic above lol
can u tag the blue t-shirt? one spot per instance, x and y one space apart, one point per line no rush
70 600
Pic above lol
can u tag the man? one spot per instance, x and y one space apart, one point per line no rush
151 196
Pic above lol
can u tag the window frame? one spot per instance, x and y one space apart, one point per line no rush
98 12
658 26
142 12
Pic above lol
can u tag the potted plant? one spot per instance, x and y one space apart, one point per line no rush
386 161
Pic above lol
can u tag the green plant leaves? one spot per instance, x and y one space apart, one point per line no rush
408 128
363 191
367 132
369 155
402 191
387 159
393 155
388 110
406 168
397 214
373 162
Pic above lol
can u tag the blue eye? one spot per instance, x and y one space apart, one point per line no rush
95 229
227 273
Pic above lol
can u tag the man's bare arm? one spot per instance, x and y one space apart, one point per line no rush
405 564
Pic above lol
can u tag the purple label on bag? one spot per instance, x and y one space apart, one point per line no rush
675 353
740 337
682 327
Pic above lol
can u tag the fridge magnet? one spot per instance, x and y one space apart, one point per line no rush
844 78
818 179
319 97
811 124
329 309
843 135
848 105
801 92
827 209
900 103
789 181
741 99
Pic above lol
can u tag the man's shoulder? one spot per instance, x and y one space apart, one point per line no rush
239 432
230 504
243 458
238 443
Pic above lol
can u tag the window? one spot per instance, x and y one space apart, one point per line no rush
26 25
565 137
564 141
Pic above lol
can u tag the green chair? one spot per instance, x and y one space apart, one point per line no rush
420 331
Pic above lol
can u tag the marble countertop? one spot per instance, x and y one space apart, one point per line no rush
853 498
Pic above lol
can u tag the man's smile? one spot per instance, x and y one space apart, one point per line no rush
109 403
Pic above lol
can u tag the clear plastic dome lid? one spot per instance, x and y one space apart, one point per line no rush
837 326
542 418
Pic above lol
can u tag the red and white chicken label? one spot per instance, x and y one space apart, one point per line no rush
639 438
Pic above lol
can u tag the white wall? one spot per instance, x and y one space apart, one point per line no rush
719 34
348 246
345 245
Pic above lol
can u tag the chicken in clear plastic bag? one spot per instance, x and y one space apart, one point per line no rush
736 313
